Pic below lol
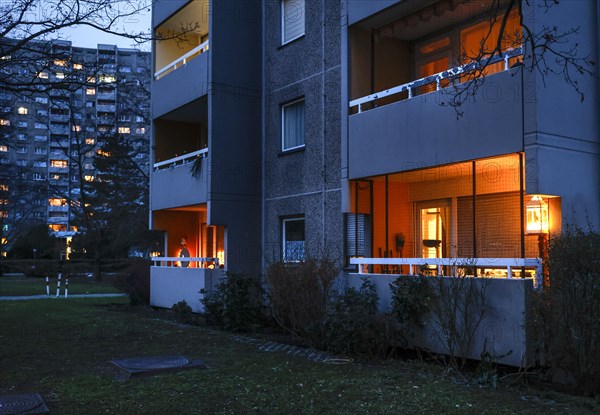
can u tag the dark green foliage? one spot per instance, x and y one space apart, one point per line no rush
570 308
352 325
36 237
135 282
412 297
183 312
236 304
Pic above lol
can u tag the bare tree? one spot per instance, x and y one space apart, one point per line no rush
549 50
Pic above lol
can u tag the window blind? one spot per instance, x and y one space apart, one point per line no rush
292 20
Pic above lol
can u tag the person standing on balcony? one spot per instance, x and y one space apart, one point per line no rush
184 253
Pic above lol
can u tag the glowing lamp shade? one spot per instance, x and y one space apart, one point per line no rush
537 215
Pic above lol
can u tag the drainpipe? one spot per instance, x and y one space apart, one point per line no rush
263 141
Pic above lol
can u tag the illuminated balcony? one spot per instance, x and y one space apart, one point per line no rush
181 63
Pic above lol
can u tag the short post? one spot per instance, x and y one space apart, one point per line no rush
58 285
66 286
47 286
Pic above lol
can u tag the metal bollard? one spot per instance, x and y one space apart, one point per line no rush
58 285
47 286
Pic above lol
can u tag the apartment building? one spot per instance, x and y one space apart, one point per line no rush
59 102
331 127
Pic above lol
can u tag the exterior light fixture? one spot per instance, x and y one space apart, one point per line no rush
537 216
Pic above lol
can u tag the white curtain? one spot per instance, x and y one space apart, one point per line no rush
293 129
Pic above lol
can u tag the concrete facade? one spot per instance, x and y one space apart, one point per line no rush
514 132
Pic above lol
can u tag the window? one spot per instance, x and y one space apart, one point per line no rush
140 130
41 100
22 150
124 130
40 150
59 62
3 148
107 79
77 66
21 163
22 124
5 123
42 113
90 91
43 75
61 164
40 125
139 118
90 141
22 111
41 138
292 125
39 164
22 137
125 69
292 20
57 202
293 239
60 75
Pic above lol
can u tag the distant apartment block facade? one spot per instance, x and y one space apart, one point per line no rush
324 128
57 105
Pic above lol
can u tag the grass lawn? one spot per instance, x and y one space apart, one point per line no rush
35 286
60 348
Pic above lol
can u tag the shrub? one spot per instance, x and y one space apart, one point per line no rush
236 303
183 312
135 282
570 308
353 326
298 292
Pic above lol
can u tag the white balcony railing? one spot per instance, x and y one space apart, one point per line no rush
392 265
192 262
182 60
437 78
180 160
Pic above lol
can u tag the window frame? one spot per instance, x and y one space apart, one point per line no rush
282 9
283 107
284 222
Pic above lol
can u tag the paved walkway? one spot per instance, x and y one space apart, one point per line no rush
43 296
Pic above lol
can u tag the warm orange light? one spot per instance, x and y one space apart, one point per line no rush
537 215
221 257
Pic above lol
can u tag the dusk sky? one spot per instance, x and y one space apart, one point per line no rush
85 36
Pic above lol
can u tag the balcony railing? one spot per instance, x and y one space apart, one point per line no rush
468 265
438 78
182 60
192 262
180 160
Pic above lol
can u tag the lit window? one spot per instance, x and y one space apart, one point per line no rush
5 122
88 178
76 128
43 75
59 62
293 125
103 153
292 20
107 79
293 239
57 228
3 214
140 130
57 202
91 80
60 75
77 66
90 141
124 130
3 148
90 91
61 164
22 111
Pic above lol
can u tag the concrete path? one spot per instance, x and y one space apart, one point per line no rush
43 296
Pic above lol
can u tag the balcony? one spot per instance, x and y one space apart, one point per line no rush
174 185
404 67
170 284
181 64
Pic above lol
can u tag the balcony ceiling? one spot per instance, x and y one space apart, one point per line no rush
196 12
412 20
194 112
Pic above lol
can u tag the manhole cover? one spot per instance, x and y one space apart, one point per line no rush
31 403
154 363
